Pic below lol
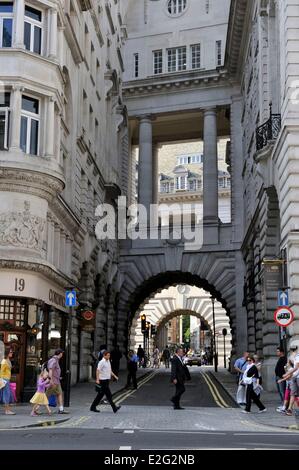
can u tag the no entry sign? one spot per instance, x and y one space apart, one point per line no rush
283 316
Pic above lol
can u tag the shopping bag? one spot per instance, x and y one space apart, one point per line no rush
52 400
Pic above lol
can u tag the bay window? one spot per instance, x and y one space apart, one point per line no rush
6 23
33 29
30 120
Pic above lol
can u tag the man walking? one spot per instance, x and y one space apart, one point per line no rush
240 366
54 376
279 373
104 374
166 357
179 374
141 356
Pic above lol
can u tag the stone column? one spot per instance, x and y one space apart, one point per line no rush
53 33
19 24
50 243
62 263
156 149
145 165
60 44
50 128
68 252
210 168
15 126
56 246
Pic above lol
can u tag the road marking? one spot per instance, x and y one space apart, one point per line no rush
183 432
125 448
212 392
129 431
217 391
128 394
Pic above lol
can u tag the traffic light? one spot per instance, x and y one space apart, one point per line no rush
153 330
143 323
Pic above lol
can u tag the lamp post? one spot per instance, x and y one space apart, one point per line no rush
224 332
214 335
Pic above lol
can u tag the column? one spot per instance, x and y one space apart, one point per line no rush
68 260
50 242
145 166
56 246
156 149
62 252
50 128
210 167
15 127
61 44
19 24
53 33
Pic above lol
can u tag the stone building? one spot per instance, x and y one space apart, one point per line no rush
63 135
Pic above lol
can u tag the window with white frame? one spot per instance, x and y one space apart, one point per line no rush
177 59
30 123
33 29
136 65
218 53
158 61
195 56
176 7
4 120
189 159
6 24
181 182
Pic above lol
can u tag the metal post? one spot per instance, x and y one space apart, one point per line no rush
67 391
224 352
214 335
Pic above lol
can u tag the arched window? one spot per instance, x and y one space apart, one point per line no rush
176 7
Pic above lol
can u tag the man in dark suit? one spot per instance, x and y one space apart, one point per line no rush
179 374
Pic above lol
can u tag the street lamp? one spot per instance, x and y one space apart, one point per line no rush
224 332
214 335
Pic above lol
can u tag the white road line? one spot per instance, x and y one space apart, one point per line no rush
129 431
125 448
172 431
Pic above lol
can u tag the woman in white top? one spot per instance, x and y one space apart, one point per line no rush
103 377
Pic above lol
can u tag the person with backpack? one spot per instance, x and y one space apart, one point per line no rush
240 366
55 377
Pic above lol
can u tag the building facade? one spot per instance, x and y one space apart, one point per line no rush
63 131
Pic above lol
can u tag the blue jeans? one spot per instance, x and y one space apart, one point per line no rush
281 388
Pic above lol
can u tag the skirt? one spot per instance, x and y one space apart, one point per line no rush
39 399
6 395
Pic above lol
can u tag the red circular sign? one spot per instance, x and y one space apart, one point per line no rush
283 316
88 315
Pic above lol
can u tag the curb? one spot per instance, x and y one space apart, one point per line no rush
223 388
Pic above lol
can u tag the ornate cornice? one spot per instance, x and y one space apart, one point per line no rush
30 182
43 269
236 34
187 80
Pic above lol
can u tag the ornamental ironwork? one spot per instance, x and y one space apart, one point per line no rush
268 131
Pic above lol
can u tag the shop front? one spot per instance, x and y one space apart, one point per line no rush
33 322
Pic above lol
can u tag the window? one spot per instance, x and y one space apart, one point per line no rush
6 19
218 53
195 56
177 59
4 120
13 312
33 29
136 65
176 7
181 182
187 160
29 125
158 62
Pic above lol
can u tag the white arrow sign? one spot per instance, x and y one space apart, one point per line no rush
70 298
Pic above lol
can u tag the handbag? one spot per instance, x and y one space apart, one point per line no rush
98 388
2 383
247 380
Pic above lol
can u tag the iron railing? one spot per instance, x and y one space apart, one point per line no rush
268 131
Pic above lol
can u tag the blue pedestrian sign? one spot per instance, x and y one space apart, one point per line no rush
283 298
70 298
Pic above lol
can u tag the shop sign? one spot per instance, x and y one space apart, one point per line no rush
87 320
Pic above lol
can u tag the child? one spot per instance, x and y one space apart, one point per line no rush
40 397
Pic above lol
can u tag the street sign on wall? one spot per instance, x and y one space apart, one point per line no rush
283 316
283 298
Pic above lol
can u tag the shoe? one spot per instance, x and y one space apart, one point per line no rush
33 413
263 410
244 411
9 412
63 412
178 408
95 410
115 410
289 413
280 410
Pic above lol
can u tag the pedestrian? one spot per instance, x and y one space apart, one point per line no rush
251 382
166 357
141 354
156 358
279 373
6 395
55 377
240 366
287 394
132 369
116 356
179 374
40 398
293 376
104 374
2 347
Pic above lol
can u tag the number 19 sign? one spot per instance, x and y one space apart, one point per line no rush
283 316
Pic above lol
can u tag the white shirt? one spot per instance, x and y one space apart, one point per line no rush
104 368
296 362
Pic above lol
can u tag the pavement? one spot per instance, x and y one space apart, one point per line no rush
81 397
269 399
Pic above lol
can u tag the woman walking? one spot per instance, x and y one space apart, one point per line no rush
6 395
104 374
251 381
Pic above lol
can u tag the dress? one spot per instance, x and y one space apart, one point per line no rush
40 397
